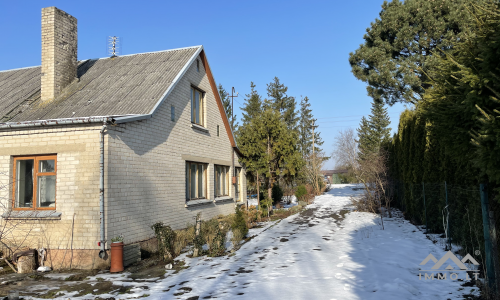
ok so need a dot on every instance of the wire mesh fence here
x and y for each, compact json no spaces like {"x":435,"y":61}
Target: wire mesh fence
{"x":454,"y":212}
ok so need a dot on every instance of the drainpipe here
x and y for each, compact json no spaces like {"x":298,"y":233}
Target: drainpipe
{"x":102,"y":243}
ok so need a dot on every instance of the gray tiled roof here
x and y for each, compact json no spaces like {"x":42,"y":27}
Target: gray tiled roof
{"x":117,"y":86}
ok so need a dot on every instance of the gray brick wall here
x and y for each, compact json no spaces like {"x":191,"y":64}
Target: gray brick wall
{"x":146,"y":178}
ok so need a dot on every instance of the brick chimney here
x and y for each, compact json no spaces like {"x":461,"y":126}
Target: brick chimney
{"x":59,"y":51}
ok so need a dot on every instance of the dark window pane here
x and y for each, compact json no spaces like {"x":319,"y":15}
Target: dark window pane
{"x":24,"y":183}
{"x":47,"y":166}
{"x":46,"y":191}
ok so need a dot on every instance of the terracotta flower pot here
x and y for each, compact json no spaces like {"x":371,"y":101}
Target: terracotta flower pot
{"x":116,"y":257}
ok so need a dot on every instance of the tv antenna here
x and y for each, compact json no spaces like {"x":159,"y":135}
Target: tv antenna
{"x":114,"y":45}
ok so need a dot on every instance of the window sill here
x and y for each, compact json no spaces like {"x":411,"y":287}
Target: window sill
{"x":223,"y":198}
{"x":199,"y":127}
{"x":32,"y":215}
{"x":198,"y":202}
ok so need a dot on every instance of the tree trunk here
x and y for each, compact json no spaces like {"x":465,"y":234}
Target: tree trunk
{"x":269,"y":186}
{"x":26,"y":264}
{"x":258,"y":191}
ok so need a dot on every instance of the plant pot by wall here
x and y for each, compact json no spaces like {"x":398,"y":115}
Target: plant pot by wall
{"x":116,"y":257}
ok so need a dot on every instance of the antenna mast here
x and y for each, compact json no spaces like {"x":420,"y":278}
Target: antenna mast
{"x":114,"y":45}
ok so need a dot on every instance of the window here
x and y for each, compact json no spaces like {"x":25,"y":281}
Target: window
{"x":172,"y":113}
{"x":196,"y":106}
{"x":237,"y":186}
{"x":217,"y":130}
{"x":35,"y":182}
{"x":196,"y":187}
{"x":221,"y":181}
{"x":198,"y":65}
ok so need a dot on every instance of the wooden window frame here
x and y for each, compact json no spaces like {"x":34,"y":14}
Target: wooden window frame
{"x":36,"y":159}
{"x":227,"y":169}
{"x":193,"y":91}
{"x":188,"y":180}
{"x":237,"y":186}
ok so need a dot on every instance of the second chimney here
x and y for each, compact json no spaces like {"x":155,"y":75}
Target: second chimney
{"x":59,"y":51}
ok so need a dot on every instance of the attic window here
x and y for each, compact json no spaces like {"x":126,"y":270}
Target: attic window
{"x":217,"y":130}
{"x":198,"y":65}
{"x":196,"y":106}
{"x":172,"y":113}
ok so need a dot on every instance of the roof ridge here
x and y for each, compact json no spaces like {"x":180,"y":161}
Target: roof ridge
{"x":83,"y":60}
{"x":17,"y":69}
{"x":168,"y":50}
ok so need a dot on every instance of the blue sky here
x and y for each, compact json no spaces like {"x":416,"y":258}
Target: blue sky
{"x":304,"y":43}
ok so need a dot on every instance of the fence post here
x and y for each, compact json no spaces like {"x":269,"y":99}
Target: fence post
{"x":447,"y":217}
{"x":490,"y":271}
{"x":425,"y":208}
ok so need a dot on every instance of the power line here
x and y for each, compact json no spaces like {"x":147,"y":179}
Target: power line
{"x":340,"y":117}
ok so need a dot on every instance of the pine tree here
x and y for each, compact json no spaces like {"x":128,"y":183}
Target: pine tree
{"x":305,"y":130}
{"x":281,"y":102}
{"x":402,"y":40}
{"x":374,"y":131}
{"x":253,"y":105}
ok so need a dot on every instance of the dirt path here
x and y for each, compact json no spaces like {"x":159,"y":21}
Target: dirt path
{"x":325,"y":252}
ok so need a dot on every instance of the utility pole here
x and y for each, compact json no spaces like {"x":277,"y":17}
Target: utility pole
{"x":232,"y":129}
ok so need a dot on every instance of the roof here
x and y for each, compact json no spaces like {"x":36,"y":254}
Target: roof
{"x":125,"y":88}
{"x":124,"y":85}
{"x":331,"y":172}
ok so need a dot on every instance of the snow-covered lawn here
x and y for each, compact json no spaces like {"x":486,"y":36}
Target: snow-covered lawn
{"x":324,"y":252}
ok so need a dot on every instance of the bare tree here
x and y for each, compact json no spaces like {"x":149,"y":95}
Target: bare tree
{"x":312,"y":170}
{"x":371,"y":171}
{"x":14,"y":231}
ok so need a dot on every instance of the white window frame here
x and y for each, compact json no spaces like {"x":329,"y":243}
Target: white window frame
{"x":221,"y":181}
{"x":197,"y":106}
{"x":237,"y":186}
{"x":196,"y":188}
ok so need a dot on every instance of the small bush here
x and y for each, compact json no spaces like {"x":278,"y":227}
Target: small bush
{"x":276,"y":194}
{"x":237,"y":237}
{"x":253,"y":216}
{"x":166,"y":239}
{"x":218,"y":245}
{"x":301,"y":193}
{"x":265,"y":205}
{"x":239,"y":223}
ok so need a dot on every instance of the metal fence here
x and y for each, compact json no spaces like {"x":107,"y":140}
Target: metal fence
{"x":456,"y":214}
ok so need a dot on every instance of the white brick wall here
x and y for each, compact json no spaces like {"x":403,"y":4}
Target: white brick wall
{"x":77,"y":182}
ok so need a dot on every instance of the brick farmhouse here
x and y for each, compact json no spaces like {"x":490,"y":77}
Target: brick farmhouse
{"x":98,"y":148}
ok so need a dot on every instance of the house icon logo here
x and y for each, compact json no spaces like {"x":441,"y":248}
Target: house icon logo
{"x":448,"y":259}
{"x":438,"y":264}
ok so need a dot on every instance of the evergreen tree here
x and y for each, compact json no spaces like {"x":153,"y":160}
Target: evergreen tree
{"x":269,"y":148}
{"x":403,"y":41}
{"x":226,"y":103}
{"x":281,"y":102}
{"x":253,"y":105}
{"x":374,"y":131}
{"x":305,"y":130}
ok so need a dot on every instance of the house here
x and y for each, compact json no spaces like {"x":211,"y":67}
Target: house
{"x":98,"y":148}
{"x":332,"y":177}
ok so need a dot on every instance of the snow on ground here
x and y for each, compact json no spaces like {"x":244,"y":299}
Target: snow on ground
{"x":325,"y":252}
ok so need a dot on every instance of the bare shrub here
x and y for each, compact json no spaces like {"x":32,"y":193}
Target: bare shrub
{"x":237,"y":238}
{"x":15,"y":233}
{"x":371,"y":171}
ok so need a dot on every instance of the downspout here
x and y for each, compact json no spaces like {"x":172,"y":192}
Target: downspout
{"x":102,"y":242}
